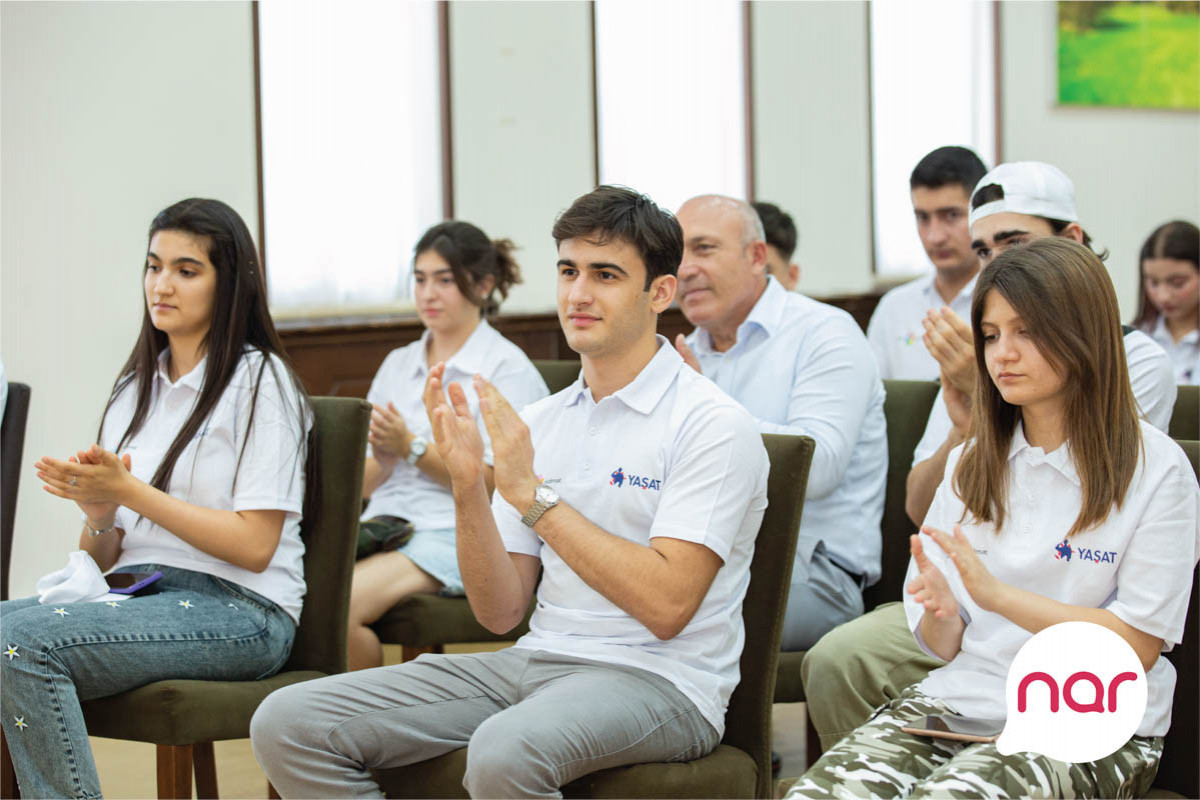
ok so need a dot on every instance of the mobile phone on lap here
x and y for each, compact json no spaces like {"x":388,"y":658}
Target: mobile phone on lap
{"x":962,"y":729}
{"x":132,"y":582}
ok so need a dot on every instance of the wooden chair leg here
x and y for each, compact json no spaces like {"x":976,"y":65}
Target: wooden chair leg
{"x":8,"y":778}
{"x":410,"y":651}
{"x":204,"y":764}
{"x":174,"y":772}
{"x":812,"y":742}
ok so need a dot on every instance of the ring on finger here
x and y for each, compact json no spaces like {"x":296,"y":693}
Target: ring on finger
{"x":74,"y":481}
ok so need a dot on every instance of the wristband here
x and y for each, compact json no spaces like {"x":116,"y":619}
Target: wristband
{"x":98,"y":531}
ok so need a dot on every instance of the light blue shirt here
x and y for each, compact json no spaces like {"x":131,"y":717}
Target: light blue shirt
{"x":804,"y":368}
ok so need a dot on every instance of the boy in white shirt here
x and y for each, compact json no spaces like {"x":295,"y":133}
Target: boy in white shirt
{"x":638,"y":491}
{"x":941,"y":185}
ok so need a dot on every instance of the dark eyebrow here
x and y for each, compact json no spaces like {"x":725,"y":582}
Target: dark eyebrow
{"x":442,"y":271}
{"x":594,"y":266}
{"x":180,"y":260}
{"x":694,"y":240}
{"x":1004,"y":236}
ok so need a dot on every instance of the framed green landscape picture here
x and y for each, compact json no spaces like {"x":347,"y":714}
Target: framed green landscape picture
{"x":1129,"y":54}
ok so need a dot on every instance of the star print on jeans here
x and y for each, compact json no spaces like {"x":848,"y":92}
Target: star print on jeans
{"x":21,"y":723}
{"x":62,"y":612}
{"x":113,"y":604}
{"x":11,"y":652}
{"x":185,"y":603}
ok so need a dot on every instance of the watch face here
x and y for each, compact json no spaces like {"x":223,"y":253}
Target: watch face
{"x":545,"y":494}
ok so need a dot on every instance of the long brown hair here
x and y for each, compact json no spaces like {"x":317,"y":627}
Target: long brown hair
{"x":1066,"y":300}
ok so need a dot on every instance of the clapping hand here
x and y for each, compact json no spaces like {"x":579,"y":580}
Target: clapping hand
{"x":94,"y":478}
{"x":949,"y":340}
{"x":454,"y":429}
{"x":389,"y":436}
{"x":511,"y":446}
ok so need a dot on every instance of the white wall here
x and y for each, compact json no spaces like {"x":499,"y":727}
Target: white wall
{"x":1133,"y":169}
{"x":110,"y":112}
{"x":521,"y":99}
{"x":812,"y":143}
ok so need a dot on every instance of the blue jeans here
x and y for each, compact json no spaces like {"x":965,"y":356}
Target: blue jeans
{"x":196,"y":626}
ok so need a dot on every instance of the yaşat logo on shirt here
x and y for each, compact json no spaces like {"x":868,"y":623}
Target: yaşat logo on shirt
{"x":1075,"y":692}
{"x":1064,"y":551}
{"x":618,"y":478}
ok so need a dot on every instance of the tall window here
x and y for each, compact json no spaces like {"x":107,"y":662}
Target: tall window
{"x":670,"y":97}
{"x":932,"y":84}
{"x":351,"y":148}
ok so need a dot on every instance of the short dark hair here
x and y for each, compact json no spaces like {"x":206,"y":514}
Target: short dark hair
{"x":946,"y":166}
{"x":994,"y":191}
{"x":779,"y":228}
{"x":618,"y":212}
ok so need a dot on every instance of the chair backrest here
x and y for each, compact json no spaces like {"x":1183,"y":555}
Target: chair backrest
{"x":748,"y":719}
{"x":906,"y":410}
{"x":12,"y":446}
{"x":558,"y":375}
{"x":1181,"y":748}
{"x":1185,"y":419}
{"x":331,"y":504}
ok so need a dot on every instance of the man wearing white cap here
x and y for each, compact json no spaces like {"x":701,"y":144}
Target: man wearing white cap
{"x":868,"y":661}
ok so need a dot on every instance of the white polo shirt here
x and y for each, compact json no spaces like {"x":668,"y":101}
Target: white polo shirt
{"x":1150,"y":376}
{"x":669,"y":455}
{"x":270,"y":477}
{"x":804,"y":368}
{"x":1184,"y":354}
{"x":409,"y":492}
{"x":895,"y":329}
{"x":1137,"y":564}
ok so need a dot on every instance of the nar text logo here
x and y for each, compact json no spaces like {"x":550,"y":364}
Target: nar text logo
{"x":1075,"y":692}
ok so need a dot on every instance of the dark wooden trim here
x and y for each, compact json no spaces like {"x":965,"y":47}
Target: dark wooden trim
{"x":258,"y":142}
{"x":595,"y":96}
{"x":870,"y":141}
{"x":748,"y":92}
{"x":443,"y":30}
{"x":340,"y":357}
{"x":997,"y":83}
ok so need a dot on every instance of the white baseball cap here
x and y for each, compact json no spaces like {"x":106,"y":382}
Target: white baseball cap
{"x":1030,"y":187}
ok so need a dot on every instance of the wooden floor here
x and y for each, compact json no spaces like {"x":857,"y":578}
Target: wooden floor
{"x":127,"y":768}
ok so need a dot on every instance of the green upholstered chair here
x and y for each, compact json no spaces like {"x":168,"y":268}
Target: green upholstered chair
{"x":424,"y":623}
{"x":558,"y":375}
{"x":1177,"y":772}
{"x":741,"y":765}
{"x":12,"y":447}
{"x":184,"y":717}
{"x":906,"y":409}
{"x":1185,"y":419}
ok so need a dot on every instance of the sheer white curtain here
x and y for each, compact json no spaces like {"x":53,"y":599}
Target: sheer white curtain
{"x":932,"y":84}
{"x":670,"y":80}
{"x":351,"y":148}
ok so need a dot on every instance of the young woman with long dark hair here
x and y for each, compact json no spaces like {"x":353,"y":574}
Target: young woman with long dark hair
{"x":1169,"y":295}
{"x":1055,"y":459}
{"x":198,"y":472}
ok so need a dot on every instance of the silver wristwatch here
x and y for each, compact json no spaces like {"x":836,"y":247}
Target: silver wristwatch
{"x":416,"y":449}
{"x":544,"y":499}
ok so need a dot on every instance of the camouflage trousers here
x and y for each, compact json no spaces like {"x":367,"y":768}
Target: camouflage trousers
{"x":878,"y":760}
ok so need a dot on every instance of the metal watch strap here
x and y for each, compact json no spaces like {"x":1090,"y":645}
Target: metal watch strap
{"x":543,"y":500}
{"x":416,"y":449}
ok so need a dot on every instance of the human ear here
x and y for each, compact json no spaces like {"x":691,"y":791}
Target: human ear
{"x":662,"y":292}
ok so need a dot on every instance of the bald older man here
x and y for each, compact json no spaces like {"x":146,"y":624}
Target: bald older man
{"x":802,"y":368}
